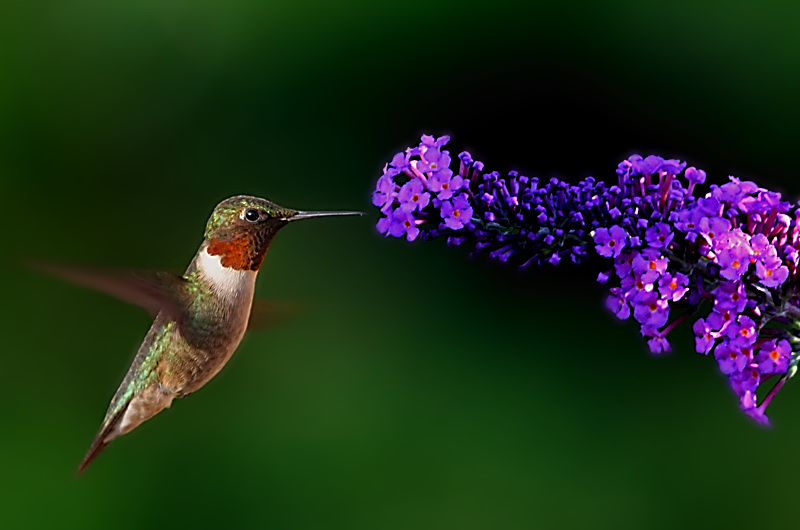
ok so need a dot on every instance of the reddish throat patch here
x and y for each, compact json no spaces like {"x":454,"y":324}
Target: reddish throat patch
{"x":238,"y":254}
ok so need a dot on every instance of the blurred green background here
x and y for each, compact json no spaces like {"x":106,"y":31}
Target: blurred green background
{"x":419,"y":388}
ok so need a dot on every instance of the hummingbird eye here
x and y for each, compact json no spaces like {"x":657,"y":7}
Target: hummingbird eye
{"x":252,"y":215}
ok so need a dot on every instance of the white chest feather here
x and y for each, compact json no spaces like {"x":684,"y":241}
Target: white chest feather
{"x":226,"y":281}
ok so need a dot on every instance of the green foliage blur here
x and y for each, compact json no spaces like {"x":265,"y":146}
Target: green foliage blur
{"x":418,"y":388}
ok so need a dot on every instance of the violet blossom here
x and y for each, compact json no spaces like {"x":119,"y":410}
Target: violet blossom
{"x":725,"y":259}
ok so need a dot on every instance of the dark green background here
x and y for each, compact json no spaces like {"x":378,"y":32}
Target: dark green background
{"x":419,"y":388}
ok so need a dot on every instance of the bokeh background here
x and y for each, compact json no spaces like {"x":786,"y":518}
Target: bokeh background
{"x":419,"y":388}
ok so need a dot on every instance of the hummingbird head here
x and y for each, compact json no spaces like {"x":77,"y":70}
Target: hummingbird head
{"x":241,"y":228}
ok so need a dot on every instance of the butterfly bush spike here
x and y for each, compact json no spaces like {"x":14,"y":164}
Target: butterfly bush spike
{"x":726,"y":260}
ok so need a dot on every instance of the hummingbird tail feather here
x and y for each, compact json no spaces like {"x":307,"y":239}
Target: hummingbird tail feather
{"x":101,"y":440}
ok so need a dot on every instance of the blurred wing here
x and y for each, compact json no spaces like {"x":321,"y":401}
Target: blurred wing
{"x":154,"y":291}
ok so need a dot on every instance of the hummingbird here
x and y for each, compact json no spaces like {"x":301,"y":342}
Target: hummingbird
{"x":199,"y":317}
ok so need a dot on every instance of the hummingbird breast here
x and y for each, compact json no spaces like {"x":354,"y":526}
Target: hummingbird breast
{"x":213,"y":325}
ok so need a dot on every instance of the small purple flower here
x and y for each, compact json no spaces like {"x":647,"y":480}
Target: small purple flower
{"x":659,"y":235}
{"x":734,"y":191}
{"x":688,"y":220}
{"x":734,"y":261}
{"x":705,"y":334}
{"x":623,"y":264}
{"x":430,"y":141}
{"x":747,"y":381}
{"x":730,"y":358}
{"x":673,"y":288}
{"x":413,"y":196}
{"x":610,"y":241}
{"x":635,"y":287}
{"x":772,"y":272}
{"x":383,"y":224}
{"x":695,"y":176}
{"x":445,"y":184}
{"x":650,"y":262}
{"x":672,"y":166}
{"x":651,"y":310}
{"x":649,"y":165}
{"x":774,"y":357}
{"x":742,"y":333}
{"x":616,"y":303}
{"x":730,"y":296}
{"x":397,"y":165}
{"x":760,"y":246}
{"x":456,"y":212}
{"x":403,"y":224}
{"x":385,"y":193}
{"x":711,"y":227}
{"x":658,"y":343}
{"x":432,"y":160}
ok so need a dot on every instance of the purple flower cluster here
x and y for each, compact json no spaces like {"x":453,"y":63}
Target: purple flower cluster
{"x":727,"y":259}
{"x":429,"y":181}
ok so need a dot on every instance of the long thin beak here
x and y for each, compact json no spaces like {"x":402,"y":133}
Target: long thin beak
{"x":309,"y":215}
